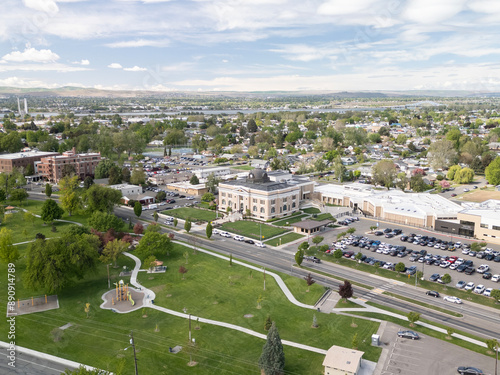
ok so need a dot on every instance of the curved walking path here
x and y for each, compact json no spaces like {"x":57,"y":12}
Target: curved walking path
{"x":148,"y":303}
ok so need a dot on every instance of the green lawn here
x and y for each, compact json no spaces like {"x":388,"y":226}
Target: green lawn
{"x":243,"y":167}
{"x":233,"y":291}
{"x":311,"y":210}
{"x":289,"y":237}
{"x":194,"y":214}
{"x":290,"y":220}
{"x":211,"y":289}
{"x":252,"y":229}
{"x":323,"y":217}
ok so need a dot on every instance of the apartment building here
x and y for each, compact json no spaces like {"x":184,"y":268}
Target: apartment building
{"x":53,"y":167}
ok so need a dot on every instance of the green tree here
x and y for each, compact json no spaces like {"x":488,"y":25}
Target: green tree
{"x":102,"y":221}
{"x":115,"y":175}
{"x":83,"y":371}
{"x":252,"y":126}
{"x":212,"y":183}
{"x":187,"y":225}
{"x":19,"y":195}
{"x":28,"y":217}
{"x":400,"y":267}
{"x":51,"y":211}
{"x":70,"y":200}
{"x":345,"y":290}
{"x":138,"y":209}
{"x":495,"y":294}
{"x":337,"y":254}
{"x":53,"y":264}
{"x":299,"y":257}
{"x":441,"y":154}
{"x":209,"y":230}
{"x":138,"y":177}
{"x":101,"y":198}
{"x":126,"y":174}
{"x":194,"y":180}
{"x":102,"y":169}
{"x":160,"y":196}
{"x":492,"y":172}
{"x":88,"y":182}
{"x":8,"y":252}
{"x":340,"y":169}
{"x":317,"y":240}
{"x":175,"y":222}
{"x":112,"y":251}
{"x":446,"y":279}
{"x":272,"y":359}
{"x":384,"y":173}
{"x":48,"y":190}
{"x":451,"y":172}
{"x":207,"y":197}
{"x":153,"y":243}
{"x":413,"y":317}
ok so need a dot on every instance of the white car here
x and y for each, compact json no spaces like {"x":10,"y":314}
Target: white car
{"x":466,"y":190}
{"x":387,"y":265}
{"x":239,"y":238}
{"x":452,"y":299}
{"x":487,"y":292}
{"x":495,"y":278}
{"x":469,"y":286}
{"x":479,"y":289}
{"x":483,"y":268}
{"x":225,"y":234}
{"x":216,"y":231}
{"x":260,"y":244}
{"x":454,"y":266}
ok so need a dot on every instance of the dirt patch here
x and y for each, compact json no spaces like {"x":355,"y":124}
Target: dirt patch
{"x":480,"y":195}
{"x":157,"y":289}
{"x":248,"y":316}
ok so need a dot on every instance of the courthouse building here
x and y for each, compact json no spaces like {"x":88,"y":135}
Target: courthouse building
{"x":266,"y":195}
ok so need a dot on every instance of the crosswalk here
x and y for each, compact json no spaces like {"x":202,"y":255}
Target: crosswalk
{"x":377,"y":291}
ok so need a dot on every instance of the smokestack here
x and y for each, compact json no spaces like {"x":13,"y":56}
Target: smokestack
{"x":25,"y":106}
{"x":19,"y":107}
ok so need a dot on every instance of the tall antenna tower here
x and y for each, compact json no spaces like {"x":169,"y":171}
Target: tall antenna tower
{"x":19,"y":107}
{"x":25,"y":106}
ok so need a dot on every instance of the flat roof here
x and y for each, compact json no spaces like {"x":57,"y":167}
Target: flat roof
{"x":343,"y":359}
{"x":27,"y":154}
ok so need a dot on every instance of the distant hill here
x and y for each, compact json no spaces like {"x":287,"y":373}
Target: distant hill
{"x":69,"y":91}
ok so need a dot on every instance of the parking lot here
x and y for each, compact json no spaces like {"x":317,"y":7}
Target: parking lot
{"x":363,"y":229}
{"x":428,"y":355}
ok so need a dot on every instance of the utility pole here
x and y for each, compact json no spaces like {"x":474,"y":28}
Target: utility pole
{"x":133,"y":347}
{"x":189,"y":328}
{"x":109,"y":285}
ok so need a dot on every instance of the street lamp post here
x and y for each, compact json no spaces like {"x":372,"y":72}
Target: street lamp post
{"x":264,"y":268}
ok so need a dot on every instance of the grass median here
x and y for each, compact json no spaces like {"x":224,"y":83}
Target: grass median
{"x":253,"y":229}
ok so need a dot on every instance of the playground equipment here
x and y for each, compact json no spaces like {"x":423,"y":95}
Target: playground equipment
{"x":32,"y":301}
{"x":122,"y":293}
{"x":130,"y":299}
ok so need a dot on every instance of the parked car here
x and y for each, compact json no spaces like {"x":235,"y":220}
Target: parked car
{"x":466,"y":370}
{"x":479,"y":289}
{"x":432,"y":293}
{"x":313,"y":259}
{"x":469,"y":270}
{"x":239,"y":238}
{"x":452,"y":299}
{"x":460,"y":284}
{"x":483,"y":268}
{"x":495,"y":278}
{"x":408,"y":335}
{"x":487,"y":275}
{"x":487,"y":292}
{"x":251,"y":242}
{"x":470,"y":285}
{"x":434,"y":277}
{"x":260,"y":244}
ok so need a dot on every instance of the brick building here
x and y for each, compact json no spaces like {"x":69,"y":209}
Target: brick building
{"x":22,"y":159}
{"x":51,"y":167}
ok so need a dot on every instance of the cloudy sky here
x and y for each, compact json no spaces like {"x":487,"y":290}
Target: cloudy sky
{"x":251,"y":45}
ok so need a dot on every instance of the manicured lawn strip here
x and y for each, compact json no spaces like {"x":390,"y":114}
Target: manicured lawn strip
{"x":298,"y":287}
{"x":233,"y":291}
{"x":252,"y":229}
{"x":285,"y":218}
{"x":429,"y":306}
{"x":311,"y":210}
{"x":342,"y":304}
{"x":368,"y":287}
{"x":194,"y":214}
{"x":243,"y":167}
{"x":291,"y":220}
{"x":100,"y":339}
{"x":289,"y":237}
{"x":430,"y":332}
{"x":323,"y":217}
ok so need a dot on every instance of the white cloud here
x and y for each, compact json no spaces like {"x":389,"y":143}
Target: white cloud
{"x":138,"y":43}
{"x":135,"y":69}
{"x":46,"y":6}
{"x":115,"y":66}
{"x":85,"y":62}
{"x":342,"y":7}
{"x":31,"y":54}
{"x":25,"y":82}
{"x":56,"y":67}
{"x":432,"y":11}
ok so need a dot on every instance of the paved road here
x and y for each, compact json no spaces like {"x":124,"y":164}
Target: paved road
{"x":29,"y":365}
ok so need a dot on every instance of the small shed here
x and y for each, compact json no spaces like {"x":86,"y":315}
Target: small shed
{"x":342,"y":361}
{"x":309,"y":226}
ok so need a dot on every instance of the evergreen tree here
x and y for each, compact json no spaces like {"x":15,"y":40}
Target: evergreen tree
{"x":48,"y":190}
{"x":209,"y":230}
{"x":272,"y":359}
{"x":194,"y":180}
{"x":187,"y":225}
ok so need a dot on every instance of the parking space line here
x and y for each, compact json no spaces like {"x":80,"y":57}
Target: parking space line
{"x":406,"y":371}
